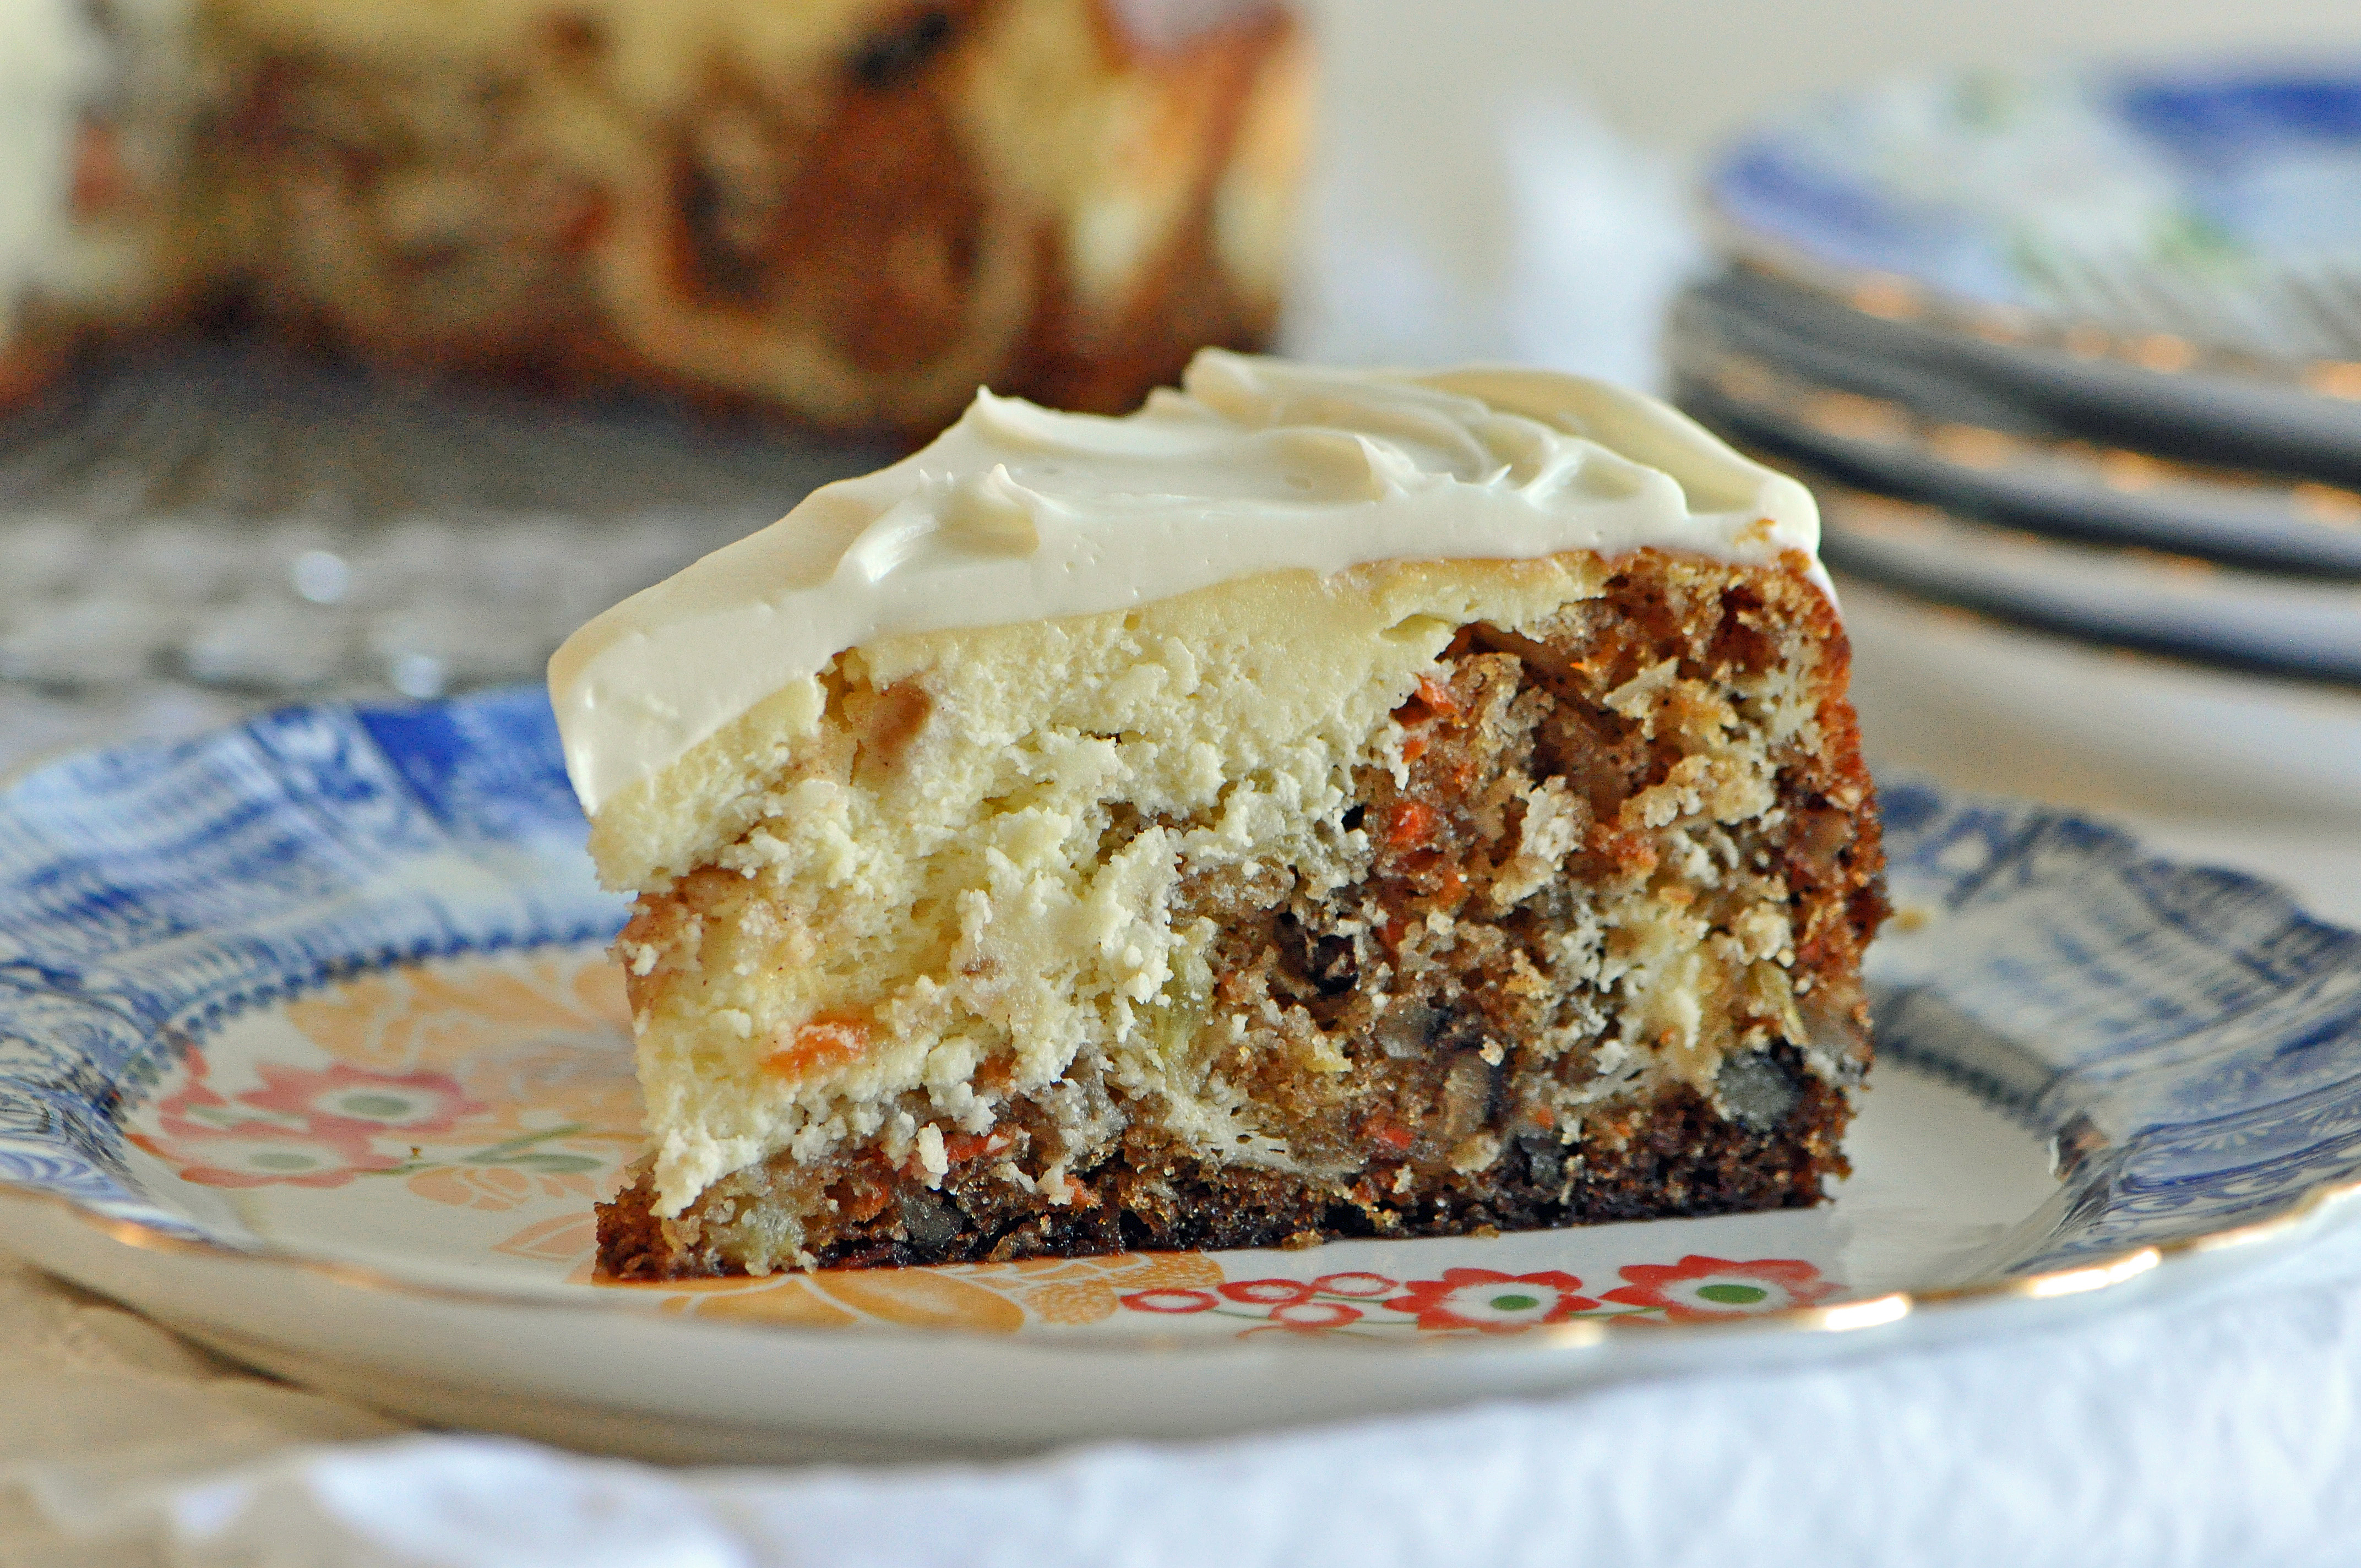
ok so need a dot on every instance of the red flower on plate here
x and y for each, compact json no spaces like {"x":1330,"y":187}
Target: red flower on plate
{"x":1698,"y":1289}
{"x":1495,"y":1302}
{"x":342,"y":1104}
{"x":1311,"y":1317}
{"x":196,"y":1111}
{"x":1267,"y":1292}
{"x":1172,"y":1301}
{"x":351,"y":1100}
{"x":302,"y":1128}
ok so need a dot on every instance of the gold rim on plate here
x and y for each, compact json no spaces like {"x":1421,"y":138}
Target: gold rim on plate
{"x":1866,"y":1312}
{"x":1892,"y":297}
{"x":1756,"y":383}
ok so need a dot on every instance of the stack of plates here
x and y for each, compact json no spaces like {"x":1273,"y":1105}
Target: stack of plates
{"x":2080,"y":350}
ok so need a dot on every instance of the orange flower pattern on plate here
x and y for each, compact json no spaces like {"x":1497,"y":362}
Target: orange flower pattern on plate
{"x":978,"y":1297}
{"x":487,"y":1087}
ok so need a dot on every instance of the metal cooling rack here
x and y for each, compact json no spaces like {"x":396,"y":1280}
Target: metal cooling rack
{"x":204,"y":528}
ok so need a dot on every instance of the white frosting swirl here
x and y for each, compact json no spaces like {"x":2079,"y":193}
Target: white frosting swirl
{"x":1018,"y":514}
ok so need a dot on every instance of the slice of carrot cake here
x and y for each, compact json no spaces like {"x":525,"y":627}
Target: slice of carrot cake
{"x":1321,"y":803}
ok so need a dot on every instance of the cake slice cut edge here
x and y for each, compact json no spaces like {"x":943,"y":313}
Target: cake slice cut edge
{"x":1418,"y":898}
{"x":1578,"y":941}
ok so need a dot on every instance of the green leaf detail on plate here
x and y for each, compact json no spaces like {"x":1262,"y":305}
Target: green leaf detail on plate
{"x":553,"y":1163}
{"x":380,"y":1107}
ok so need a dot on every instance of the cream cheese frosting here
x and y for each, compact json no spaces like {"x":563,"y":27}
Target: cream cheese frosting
{"x":1017,"y":513}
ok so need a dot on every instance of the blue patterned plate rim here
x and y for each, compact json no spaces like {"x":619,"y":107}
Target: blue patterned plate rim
{"x":2185,"y":217}
{"x":2188,"y":1038}
{"x":1922,"y":439}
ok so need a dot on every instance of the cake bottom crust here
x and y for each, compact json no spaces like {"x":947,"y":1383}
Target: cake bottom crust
{"x":1672,"y":1158}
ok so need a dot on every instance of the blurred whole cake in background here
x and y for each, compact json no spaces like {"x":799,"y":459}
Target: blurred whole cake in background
{"x":853,"y":211}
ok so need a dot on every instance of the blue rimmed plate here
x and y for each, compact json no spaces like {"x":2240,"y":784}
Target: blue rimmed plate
{"x":2219,"y":202}
{"x":2164,"y":255}
{"x":2187,"y":608}
{"x":1893,"y":428}
{"x":307,"y":1047}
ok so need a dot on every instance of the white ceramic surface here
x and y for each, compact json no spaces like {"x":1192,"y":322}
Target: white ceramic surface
{"x":1992,"y":707}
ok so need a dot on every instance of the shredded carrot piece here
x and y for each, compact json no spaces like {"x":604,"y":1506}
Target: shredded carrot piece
{"x":1414,"y":823}
{"x":829,"y":1040}
{"x":1436,"y":696}
{"x":100,"y":177}
{"x":961,"y":1147}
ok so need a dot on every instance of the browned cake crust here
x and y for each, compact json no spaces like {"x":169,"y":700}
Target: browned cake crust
{"x":1675,"y":1157}
{"x":1445,"y":1120}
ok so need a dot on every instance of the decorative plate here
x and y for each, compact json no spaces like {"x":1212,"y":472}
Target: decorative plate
{"x":2204,"y":410}
{"x":308,"y":1049}
{"x":1995,"y":705}
{"x":1918,"y":439}
{"x":2219,"y":203}
{"x":1930,"y":486}
{"x":2167,"y":258}
{"x":2172,"y":605}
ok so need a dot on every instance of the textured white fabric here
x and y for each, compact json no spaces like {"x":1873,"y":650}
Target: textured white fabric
{"x":2205,"y":1435}
{"x":92,"y":1391}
